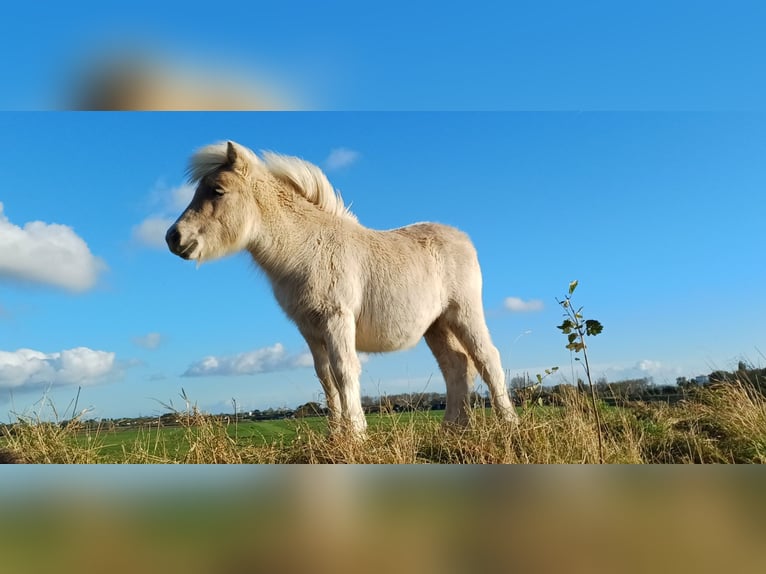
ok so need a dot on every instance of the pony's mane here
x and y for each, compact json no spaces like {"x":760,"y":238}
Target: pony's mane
{"x":305,"y":177}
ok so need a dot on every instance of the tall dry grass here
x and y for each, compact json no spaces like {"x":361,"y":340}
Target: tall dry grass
{"x":721,"y":424}
{"x":33,"y":438}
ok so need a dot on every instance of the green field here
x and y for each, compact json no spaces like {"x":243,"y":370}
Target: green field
{"x":725,"y":423}
{"x":174,"y":442}
{"x":155,"y":443}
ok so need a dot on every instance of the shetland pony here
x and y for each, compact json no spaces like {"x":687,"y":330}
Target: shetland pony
{"x":346,"y":287}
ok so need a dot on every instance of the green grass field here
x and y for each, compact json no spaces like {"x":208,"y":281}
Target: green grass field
{"x":174,"y":443}
{"x":718,"y":425}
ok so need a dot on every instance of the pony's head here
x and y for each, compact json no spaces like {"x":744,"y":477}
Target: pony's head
{"x":222,"y":215}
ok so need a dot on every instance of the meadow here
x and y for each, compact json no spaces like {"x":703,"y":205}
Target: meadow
{"x":723,"y":423}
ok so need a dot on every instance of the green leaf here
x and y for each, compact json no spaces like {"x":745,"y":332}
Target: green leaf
{"x":593,"y":327}
{"x":572,"y":337}
{"x":539,"y":378}
{"x":572,"y":286}
{"x":566,"y":326}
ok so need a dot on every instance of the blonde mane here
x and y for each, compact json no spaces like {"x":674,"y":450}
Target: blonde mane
{"x":306,"y":178}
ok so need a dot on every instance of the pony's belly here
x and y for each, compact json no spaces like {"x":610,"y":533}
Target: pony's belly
{"x":384,"y":345}
{"x":392,"y":321}
{"x":387,"y":338}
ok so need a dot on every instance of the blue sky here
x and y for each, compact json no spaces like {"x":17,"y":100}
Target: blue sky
{"x":658,"y":215}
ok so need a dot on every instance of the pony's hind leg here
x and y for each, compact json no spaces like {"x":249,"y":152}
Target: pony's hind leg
{"x":471,"y":330}
{"x":456,"y":367}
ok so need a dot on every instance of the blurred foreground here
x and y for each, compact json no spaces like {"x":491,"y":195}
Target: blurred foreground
{"x":385,"y":519}
{"x":138,"y":79}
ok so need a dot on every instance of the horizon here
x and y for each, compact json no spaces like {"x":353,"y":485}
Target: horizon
{"x":653,"y":213}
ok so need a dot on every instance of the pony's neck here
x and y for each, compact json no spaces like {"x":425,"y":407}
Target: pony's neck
{"x":288,"y":229}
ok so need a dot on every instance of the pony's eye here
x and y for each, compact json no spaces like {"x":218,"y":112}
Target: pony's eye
{"x":218,"y":191}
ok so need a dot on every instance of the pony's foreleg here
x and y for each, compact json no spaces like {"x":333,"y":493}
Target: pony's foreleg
{"x":346,"y":368}
{"x":456,"y":367}
{"x":331,"y":394}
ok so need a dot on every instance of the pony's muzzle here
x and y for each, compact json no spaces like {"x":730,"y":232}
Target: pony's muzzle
{"x":173,"y":239}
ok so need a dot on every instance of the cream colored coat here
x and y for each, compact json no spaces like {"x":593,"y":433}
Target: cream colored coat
{"x":347,"y":288}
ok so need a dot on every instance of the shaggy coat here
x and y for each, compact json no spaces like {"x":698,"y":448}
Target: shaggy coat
{"x":346,"y":287}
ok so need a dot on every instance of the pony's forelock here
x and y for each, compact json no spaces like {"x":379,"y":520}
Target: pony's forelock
{"x":211,"y":157}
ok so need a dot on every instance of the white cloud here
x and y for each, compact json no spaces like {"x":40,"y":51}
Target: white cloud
{"x":171,"y":201}
{"x":180,"y":197}
{"x":151,"y":232}
{"x":265,"y":360}
{"x":649,"y":366}
{"x":341,"y":157}
{"x":30,"y":368}
{"x":518,"y":305}
{"x":47,"y":253}
{"x":148,"y":341}
{"x":657,"y":371}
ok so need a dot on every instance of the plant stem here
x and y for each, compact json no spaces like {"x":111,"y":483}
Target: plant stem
{"x":592,"y":396}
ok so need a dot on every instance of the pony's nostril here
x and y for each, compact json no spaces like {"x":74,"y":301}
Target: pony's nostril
{"x":173,"y":238}
{"x":174,"y":241}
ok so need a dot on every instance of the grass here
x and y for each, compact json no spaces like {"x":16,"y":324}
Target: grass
{"x":721,"y":424}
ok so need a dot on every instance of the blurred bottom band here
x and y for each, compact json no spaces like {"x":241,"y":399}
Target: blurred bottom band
{"x":381,"y":519}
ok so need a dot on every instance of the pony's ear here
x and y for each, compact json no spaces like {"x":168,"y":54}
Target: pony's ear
{"x":231,"y":152}
{"x":239,"y":158}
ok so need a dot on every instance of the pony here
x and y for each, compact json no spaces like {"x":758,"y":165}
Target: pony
{"x":346,"y":287}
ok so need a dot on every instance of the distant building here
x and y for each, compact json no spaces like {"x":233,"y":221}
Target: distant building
{"x":701,"y":380}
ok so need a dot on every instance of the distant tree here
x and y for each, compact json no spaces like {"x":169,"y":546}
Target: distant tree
{"x":386,"y":404}
{"x":743,"y":366}
{"x":686,"y":384}
{"x":520,"y":381}
{"x":310,"y":409}
{"x":438,"y":401}
{"x":719,"y":376}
